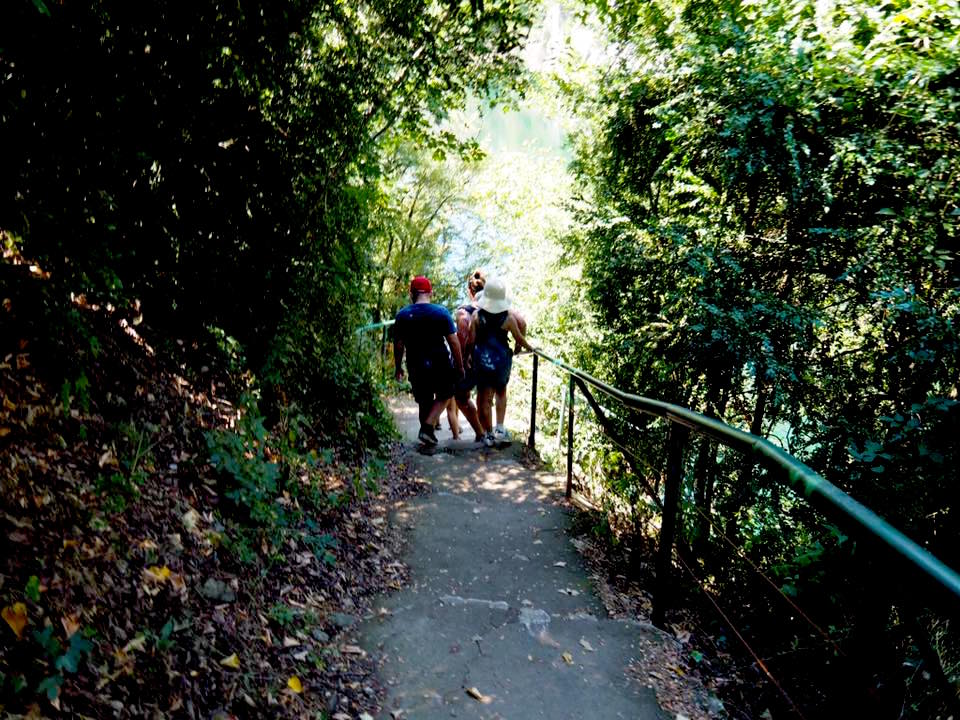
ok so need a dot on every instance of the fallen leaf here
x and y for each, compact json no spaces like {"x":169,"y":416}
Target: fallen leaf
{"x":352,"y":650}
{"x":231,"y":661}
{"x":560,"y":563}
{"x":16,"y":617}
{"x":4,"y":431}
{"x":365,"y":716}
{"x":190,"y":519}
{"x":294,"y":684}
{"x":138,"y":643}
{"x":479,"y":696}
{"x":567,"y":658}
{"x":70,"y":624}
{"x":290,"y":642}
{"x":159,"y":573}
{"x":586,"y":645}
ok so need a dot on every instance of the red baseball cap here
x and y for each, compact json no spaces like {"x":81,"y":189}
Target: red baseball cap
{"x":420,"y":284}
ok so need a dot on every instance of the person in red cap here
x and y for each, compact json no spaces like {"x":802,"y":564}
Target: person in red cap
{"x":426,"y":333}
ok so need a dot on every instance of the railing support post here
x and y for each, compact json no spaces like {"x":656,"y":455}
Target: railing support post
{"x":676,"y":439}
{"x":569,"y":492}
{"x":531,"y":441}
{"x":383,"y":354}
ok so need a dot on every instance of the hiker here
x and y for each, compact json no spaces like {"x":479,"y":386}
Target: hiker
{"x":490,"y":328}
{"x":463,"y":316}
{"x":426,"y":333}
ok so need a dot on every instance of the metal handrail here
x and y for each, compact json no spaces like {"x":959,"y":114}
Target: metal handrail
{"x":821,"y":493}
{"x":849,"y":514}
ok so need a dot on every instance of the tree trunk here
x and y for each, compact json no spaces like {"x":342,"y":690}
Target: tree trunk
{"x":743,"y":489}
{"x":705,"y":468}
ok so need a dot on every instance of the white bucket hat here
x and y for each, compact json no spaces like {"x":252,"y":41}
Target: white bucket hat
{"x":494,"y":298}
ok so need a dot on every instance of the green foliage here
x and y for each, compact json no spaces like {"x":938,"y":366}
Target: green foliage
{"x":32,"y":589}
{"x":766,"y":222}
{"x":220,"y":167}
{"x":134,"y":448}
{"x":241,"y":454}
{"x":64,"y":661}
{"x":282,"y":614}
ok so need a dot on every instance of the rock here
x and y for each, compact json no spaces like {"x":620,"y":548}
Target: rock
{"x":342,"y":620}
{"x":218,"y":590}
{"x":190,"y":519}
{"x":320,"y":636}
{"x":715,"y":705}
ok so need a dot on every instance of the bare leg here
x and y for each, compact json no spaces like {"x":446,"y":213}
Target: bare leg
{"x":501,"y":396}
{"x":452,"y":418}
{"x":469,"y":411}
{"x":485,"y":408}
{"x":435,"y":410}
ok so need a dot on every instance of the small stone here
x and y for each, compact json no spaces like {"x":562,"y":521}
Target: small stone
{"x":320,"y":636}
{"x":214,"y":589}
{"x":342,"y":620}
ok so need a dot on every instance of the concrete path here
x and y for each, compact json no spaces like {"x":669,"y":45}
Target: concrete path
{"x":499,"y":619}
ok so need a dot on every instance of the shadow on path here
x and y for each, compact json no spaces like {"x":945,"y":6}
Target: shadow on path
{"x":499,"y":619}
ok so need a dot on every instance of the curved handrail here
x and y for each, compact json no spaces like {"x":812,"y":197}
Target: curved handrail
{"x":821,"y":493}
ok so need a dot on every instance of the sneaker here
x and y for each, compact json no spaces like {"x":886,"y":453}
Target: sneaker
{"x":488,"y":440}
{"x":427,"y":435}
{"x":501,"y":435}
{"x":479,"y":437}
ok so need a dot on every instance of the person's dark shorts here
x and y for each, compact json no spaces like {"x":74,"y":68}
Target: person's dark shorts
{"x":468,"y":382}
{"x":432,"y":383}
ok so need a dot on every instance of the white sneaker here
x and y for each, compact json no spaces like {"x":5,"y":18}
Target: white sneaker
{"x":488,"y":440}
{"x":501,"y":435}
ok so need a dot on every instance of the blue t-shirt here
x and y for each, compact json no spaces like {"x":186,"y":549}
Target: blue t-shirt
{"x":423,"y":329}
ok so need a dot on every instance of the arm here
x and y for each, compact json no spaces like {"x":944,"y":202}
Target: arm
{"x":454,"y":344}
{"x":521,"y":325}
{"x":514,"y":327}
{"x":465,"y":334}
{"x":398,"y":358}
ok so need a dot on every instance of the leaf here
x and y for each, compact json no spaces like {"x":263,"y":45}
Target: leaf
{"x":567,"y":658}
{"x":32,"y":590}
{"x":139,"y":643}
{"x":294,"y":684}
{"x":16,"y":617}
{"x":51,"y":686}
{"x":70,"y":624}
{"x":231,"y":661}
{"x":159,"y":573}
{"x":585,"y":644}
{"x":560,"y":564}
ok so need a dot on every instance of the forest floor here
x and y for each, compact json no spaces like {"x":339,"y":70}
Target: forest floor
{"x":127,"y":586}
